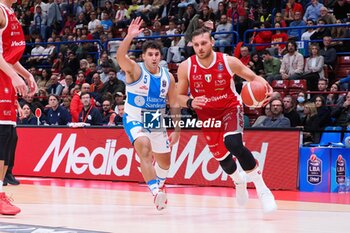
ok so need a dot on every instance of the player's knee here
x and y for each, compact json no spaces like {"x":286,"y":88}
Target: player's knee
{"x":228,"y":165}
{"x":234,"y":144}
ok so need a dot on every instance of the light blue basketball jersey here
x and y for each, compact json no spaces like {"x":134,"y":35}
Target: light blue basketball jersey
{"x":148,"y":93}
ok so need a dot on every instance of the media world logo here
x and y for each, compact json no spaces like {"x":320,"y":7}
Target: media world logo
{"x":155,"y":120}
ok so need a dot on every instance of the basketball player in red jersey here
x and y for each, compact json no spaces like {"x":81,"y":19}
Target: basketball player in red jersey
{"x":209,"y":76}
{"x":12,"y":45}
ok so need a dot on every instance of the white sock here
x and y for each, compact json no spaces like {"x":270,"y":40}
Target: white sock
{"x":237,"y":177}
{"x":161,"y":175}
{"x":1,"y":184}
{"x":153,"y":186}
{"x":256,"y":177}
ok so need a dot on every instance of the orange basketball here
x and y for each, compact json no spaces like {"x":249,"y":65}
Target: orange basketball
{"x":253,"y":94}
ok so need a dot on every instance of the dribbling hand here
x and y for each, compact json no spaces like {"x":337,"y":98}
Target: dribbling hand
{"x":199,"y":102}
{"x":134,"y":28}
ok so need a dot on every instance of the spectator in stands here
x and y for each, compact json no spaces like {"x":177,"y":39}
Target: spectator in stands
{"x":106,"y":22}
{"x":48,"y":53}
{"x":292,"y":66}
{"x":313,"y":70}
{"x":34,"y":72}
{"x":279,"y":37}
{"x":132,"y":9}
{"x":214,"y":5}
{"x":55,"y":87}
{"x":56,"y":114}
{"x":290,"y":111}
{"x":301,"y":99}
{"x":93,"y":70}
{"x":322,"y":86}
{"x":262,"y":37}
{"x":341,"y":112}
{"x":313,"y":11}
{"x":76,"y":105}
{"x":122,"y":17}
{"x":272,"y":65}
{"x":118,"y":99}
{"x":292,"y":8}
{"x":311,"y":124}
{"x":44,"y":79}
{"x":245,"y":55}
{"x":94,"y":22}
{"x":328,"y":18}
{"x":320,"y":32}
{"x":85,"y":67}
{"x":108,"y":8}
{"x":279,"y":19}
{"x":39,"y":23}
{"x":88,"y":10}
{"x":36,"y":53}
{"x":108,"y":115}
{"x":27,"y":117}
{"x":68,"y":83}
{"x":256,"y":64}
{"x":306,"y":35}
{"x":296,"y":22}
{"x":89,"y":114}
{"x":58,"y":63}
{"x":329,"y":53}
{"x":338,"y":32}
{"x":333,"y":98}
{"x":80,"y":79}
{"x":222,"y":41}
{"x":234,"y":11}
{"x":176,"y":50}
{"x":44,"y":6}
{"x":32,"y":103}
{"x":72,"y":63}
{"x":258,"y":122}
{"x":323,"y":111}
{"x":42,"y":97}
{"x":277,"y":119}
{"x":81,"y":21}
{"x":113,"y":84}
{"x":205,"y":14}
{"x":118,"y":120}
{"x":222,"y":10}
{"x":54,"y":17}
{"x":97,"y":85}
{"x":66,"y":103}
{"x":340,"y":9}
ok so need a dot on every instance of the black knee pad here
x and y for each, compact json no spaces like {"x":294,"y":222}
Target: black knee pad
{"x":228,"y":165}
{"x":234,"y":144}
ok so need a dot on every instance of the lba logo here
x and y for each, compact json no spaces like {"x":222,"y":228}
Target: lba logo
{"x":151,"y":120}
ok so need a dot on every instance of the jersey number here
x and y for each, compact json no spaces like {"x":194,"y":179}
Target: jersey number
{"x":195,"y":68}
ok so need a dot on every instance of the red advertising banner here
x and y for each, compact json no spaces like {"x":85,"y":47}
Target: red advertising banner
{"x":106,"y":154}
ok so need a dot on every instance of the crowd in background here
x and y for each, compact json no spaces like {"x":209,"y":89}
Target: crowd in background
{"x":81,"y":76}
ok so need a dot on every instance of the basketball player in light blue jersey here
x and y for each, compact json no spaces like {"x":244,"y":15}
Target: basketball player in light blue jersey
{"x":148,"y":87}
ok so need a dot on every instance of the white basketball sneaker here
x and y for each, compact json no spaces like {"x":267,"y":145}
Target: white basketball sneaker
{"x":160,"y":200}
{"x":242,"y":194}
{"x":267,"y":201}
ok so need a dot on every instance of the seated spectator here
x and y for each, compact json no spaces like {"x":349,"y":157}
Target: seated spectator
{"x":320,"y":32}
{"x":66,"y":103}
{"x":311,"y":124}
{"x":306,"y":35}
{"x":80,"y":79}
{"x":55,"y":86}
{"x":113,"y":85}
{"x":330,"y":55}
{"x":44,"y":79}
{"x":256,"y":64}
{"x":279,"y":19}
{"x":296,"y":22}
{"x":301,"y":99}
{"x":108,"y":115}
{"x":277,"y":119}
{"x":81,"y":22}
{"x":97,"y":84}
{"x":94,"y":23}
{"x":340,"y":9}
{"x":36,"y":53}
{"x":245,"y":55}
{"x":56,"y":114}
{"x":323,"y":111}
{"x":68,"y":83}
{"x":292,"y":66}
{"x":222,"y":10}
{"x":121,"y":17}
{"x":42,"y":97}
{"x":272,"y":65}
{"x":262,"y":37}
{"x":328,"y":18}
{"x":174,"y":54}
{"x":89,"y":114}
{"x":279,"y":37}
{"x":292,"y":9}
{"x":27,"y":117}
{"x":342,"y":112}
{"x":313,"y":70}
{"x":258,"y":122}
{"x":39,"y":24}
{"x":118,"y":120}
{"x":338,"y":33}
{"x":106,"y":22}
{"x":290,"y":111}
{"x":333,"y":98}
{"x":313,"y":11}
{"x":76,"y":105}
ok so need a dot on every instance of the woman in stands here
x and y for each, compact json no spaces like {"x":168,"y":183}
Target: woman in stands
{"x":311,"y":124}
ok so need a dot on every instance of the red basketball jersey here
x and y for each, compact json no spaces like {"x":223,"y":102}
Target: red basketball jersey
{"x":215,"y":83}
{"x":12,"y":45}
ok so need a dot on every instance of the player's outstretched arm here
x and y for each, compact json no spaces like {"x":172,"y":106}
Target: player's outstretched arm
{"x":33,"y":87}
{"x":127,"y":64}
{"x":174,"y":110}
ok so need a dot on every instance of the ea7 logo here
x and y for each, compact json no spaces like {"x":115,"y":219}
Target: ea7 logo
{"x":198,"y":84}
{"x":220,"y":82}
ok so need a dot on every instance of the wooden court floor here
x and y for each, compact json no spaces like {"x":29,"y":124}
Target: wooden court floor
{"x":54,"y":205}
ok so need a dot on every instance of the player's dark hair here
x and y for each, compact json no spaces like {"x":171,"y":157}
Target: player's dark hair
{"x":200,"y":31}
{"x":151,"y":44}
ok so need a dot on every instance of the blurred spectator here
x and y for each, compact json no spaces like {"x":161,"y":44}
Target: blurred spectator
{"x":332,"y":98}
{"x":106,"y":22}
{"x":320,"y":32}
{"x":290,"y":111}
{"x":97,"y":84}
{"x":205,"y":14}
{"x":76,"y":105}
{"x":338,"y":33}
{"x":272,"y":65}
{"x":84,"y":66}
{"x":56,"y":114}
{"x":69,"y":23}
{"x":93,"y":70}
{"x":323,"y":111}
{"x":328,"y":18}
{"x":113,"y":84}
{"x":292,"y":8}
{"x":118,"y":120}
{"x":48,"y":53}
{"x":311,"y":124}
{"x":296,"y":22}
{"x":329,"y":53}
{"x":262,"y":37}
{"x":175,"y":51}
{"x":44,"y":6}
{"x":341,"y":112}
{"x":72,"y":63}
{"x":39,"y":24}
{"x":245,"y":55}
{"x":108,"y":9}
{"x":313,"y":70}
{"x":222,"y":41}
{"x":58,"y":63}
{"x":94,"y":22}
{"x":292,"y":64}
{"x":89,"y":10}
{"x":234,"y":11}
{"x":306,"y":35}
{"x":132,"y":9}
{"x":81,"y":22}
{"x":167,"y":12}
{"x":222,"y":10}
{"x":256,"y":64}
{"x":279,"y":37}
{"x":36,"y":53}
{"x":44,"y":79}
{"x":66,"y":102}
{"x":258,"y":122}
{"x":214,"y":5}
{"x":54,"y":17}
{"x":340,"y":9}
{"x":276,"y":119}
{"x":279,"y":19}
{"x":27,"y":117}
{"x":313,"y":11}
{"x":68,"y":83}
{"x":89,"y":114}
{"x":80,"y":78}
{"x":55,"y":87}
{"x":301,"y":99}
{"x":42,"y":97}
{"x":108,"y":115}
{"x":122,"y":18}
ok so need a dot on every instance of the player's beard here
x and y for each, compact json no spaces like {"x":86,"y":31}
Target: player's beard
{"x":204,"y":55}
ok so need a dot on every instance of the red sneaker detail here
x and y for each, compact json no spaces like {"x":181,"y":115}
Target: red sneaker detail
{"x":6,"y":207}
